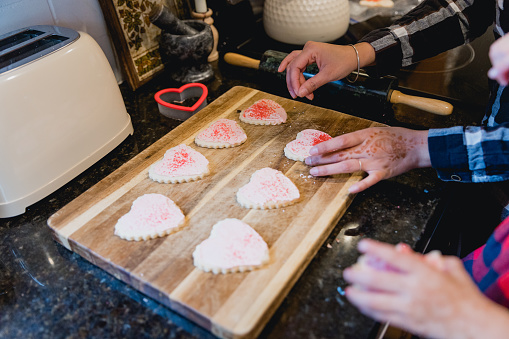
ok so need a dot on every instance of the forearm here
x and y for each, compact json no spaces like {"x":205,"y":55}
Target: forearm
{"x":432,"y":27}
{"x":367,"y":56}
{"x":421,"y":153}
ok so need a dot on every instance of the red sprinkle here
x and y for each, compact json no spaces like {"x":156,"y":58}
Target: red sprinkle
{"x":320,"y":138}
{"x":263,"y":109}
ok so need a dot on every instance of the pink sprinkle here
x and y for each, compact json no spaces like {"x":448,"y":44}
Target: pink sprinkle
{"x":265,"y":109}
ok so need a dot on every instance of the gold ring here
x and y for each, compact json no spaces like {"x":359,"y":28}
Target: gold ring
{"x":360,"y":165}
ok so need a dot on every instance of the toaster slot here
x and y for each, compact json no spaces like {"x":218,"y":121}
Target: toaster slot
{"x":19,"y":38}
{"x":29,"y":50}
{"x":31,"y":43}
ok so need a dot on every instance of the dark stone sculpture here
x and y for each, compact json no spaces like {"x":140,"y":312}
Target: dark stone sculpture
{"x":185,"y":44}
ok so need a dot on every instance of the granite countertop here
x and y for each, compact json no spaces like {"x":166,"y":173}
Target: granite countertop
{"x":47,"y":291}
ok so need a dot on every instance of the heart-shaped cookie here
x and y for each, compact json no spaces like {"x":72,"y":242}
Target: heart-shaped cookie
{"x":168,"y":99}
{"x":264,"y":112}
{"x":298,"y":149}
{"x":222,"y":133}
{"x":152,"y":215}
{"x":179,"y":164}
{"x":233,"y":246}
{"x":268,"y":188}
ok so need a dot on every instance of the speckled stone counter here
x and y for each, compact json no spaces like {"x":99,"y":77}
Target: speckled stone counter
{"x":47,"y":291}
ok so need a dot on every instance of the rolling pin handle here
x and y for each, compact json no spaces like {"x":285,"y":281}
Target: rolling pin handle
{"x":241,"y":60}
{"x":426,"y":104}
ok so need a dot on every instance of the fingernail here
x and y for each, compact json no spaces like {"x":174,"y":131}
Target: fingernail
{"x":313,"y":151}
{"x":352,"y":189}
{"x":492,"y":73}
{"x":313,"y":171}
{"x":362,"y":245}
{"x":303,"y":92}
{"x":292,"y":93}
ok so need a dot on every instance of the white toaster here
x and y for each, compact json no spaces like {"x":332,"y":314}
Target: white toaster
{"x":61,"y":110}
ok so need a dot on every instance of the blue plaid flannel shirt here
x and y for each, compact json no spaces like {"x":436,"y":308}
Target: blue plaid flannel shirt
{"x":467,"y":154}
{"x":470,"y":154}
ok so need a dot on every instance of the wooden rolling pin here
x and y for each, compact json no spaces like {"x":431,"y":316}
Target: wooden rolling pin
{"x":384,"y":89}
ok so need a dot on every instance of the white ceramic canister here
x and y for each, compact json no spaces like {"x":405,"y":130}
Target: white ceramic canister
{"x":298,"y":21}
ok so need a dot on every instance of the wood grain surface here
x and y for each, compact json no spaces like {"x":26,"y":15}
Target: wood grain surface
{"x":234,"y":305}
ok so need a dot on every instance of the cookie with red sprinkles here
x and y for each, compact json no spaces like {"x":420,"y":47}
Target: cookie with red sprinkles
{"x":233,"y":246}
{"x":264,"y":112}
{"x":151,"y":216}
{"x":298,"y":149}
{"x":268,"y":188}
{"x":222,"y":133}
{"x":179,"y":164}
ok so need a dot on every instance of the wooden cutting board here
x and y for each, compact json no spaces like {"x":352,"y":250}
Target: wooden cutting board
{"x":233,"y":305}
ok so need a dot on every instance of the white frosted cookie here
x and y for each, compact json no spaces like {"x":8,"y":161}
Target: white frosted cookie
{"x":233,"y":246}
{"x":268,"y":188}
{"x":151,"y":216}
{"x":222,"y":133}
{"x":179,"y":164}
{"x":264,"y":112}
{"x":377,"y":3}
{"x":298,"y":149}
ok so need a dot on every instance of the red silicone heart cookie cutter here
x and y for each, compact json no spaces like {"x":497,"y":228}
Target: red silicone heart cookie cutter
{"x":165,"y":98}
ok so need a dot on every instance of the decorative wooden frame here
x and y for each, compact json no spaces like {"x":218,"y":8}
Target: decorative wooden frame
{"x":135,"y":38}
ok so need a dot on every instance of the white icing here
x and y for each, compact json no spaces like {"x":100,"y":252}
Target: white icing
{"x":265,"y":110}
{"x":151,"y":215}
{"x":181,"y":160}
{"x":232,"y":244}
{"x":298,"y":149}
{"x":223,"y":131}
{"x":268,"y":185}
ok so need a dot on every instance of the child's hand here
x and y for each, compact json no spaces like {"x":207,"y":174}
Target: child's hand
{"x":499,"y":56}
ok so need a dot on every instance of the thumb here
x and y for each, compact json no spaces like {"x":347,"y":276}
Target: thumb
{"x":312,"y":84}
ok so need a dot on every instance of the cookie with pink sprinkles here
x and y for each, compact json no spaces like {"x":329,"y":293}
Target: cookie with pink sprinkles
{"x":179,"y":164}
{"x":264,"y":112}
{"x":222,"y":133}
{"x":233,"y":246}
{"x":151,"y":216}
{"x":298,"y":149}
{"x":268,"y":188}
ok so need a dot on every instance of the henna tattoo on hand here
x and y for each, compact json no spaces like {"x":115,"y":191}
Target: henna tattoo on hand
{"x":394,"y":146}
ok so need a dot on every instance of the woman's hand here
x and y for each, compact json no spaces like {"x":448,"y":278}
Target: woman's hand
{"x":382,"y":152}
{"x":432,"y":298}
{"x":334,"y":62}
